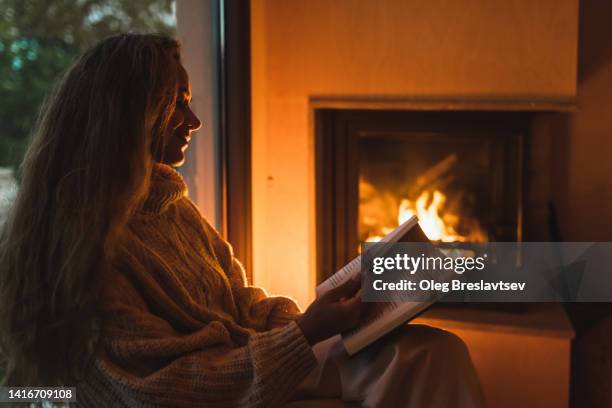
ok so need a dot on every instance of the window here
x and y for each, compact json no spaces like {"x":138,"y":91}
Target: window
{"x":38,"y":40}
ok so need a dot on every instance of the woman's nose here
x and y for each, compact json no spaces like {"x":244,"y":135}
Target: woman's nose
{"x":194,"y":123}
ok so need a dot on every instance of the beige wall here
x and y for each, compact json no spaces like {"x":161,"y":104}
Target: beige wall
{"x":574,"y":150}
{"x":585,"y":204}
{"x":585,"y":156}
{"x":438,"y":50}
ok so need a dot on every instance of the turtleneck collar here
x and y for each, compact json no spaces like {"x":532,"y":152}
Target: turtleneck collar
{"x":167,"y":186}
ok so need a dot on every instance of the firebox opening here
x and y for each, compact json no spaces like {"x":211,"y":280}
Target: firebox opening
{"x":461,"y":173}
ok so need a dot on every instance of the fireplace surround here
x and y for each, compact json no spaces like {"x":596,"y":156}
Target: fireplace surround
{"x":309,"y":55}
{"x":413,"y":56}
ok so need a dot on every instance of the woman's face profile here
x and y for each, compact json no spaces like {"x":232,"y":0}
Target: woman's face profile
{"x":182,"y":123}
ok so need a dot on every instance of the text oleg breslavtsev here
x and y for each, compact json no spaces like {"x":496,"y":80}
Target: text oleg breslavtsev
{"x":453,"y":285}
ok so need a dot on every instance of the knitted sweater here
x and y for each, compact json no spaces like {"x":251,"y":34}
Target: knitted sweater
{"x":180,"y":326}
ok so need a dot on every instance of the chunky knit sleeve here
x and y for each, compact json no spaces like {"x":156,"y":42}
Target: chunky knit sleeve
{"x":256,"y":309}
{"x":145,"y":360}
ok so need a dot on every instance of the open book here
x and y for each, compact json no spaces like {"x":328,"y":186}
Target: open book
{"x":379,"y":318}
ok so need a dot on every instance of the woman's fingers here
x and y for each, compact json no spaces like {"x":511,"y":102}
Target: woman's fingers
{"x":351,"y":309}
{"x":336,"y":311}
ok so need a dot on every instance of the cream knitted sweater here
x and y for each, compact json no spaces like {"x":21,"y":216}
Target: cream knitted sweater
{"x":180,"y":326}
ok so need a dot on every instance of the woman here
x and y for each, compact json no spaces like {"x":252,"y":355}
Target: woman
{"x":111,"y":280}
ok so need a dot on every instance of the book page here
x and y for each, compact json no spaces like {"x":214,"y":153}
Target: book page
{"x":353,"y":268}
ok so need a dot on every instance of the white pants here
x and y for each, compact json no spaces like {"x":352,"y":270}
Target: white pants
{"x":416,"y":366}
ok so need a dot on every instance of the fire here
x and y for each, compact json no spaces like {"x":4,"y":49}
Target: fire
{"x":427,"y":208}
{"x":436,"y":218}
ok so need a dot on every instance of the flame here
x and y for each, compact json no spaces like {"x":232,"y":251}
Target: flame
{"x":427,"y":208}
{"x":437,"y":223}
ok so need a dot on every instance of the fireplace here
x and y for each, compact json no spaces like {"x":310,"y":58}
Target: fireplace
{"x":461,"y":173}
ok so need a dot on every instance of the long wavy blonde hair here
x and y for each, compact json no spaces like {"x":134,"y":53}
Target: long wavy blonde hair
{"x":85,"y":172}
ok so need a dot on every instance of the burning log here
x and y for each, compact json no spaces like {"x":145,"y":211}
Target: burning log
{"x":436,"y":177}
{"x":441,"y":210}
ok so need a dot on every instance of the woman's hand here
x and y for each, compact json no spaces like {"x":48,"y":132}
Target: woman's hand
{"x":334,"y":312}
